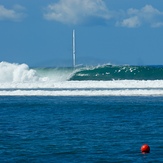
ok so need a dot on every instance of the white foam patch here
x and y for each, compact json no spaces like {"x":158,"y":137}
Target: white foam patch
{"x":118,"y":84}
{"x":84,"y":88}
{"x":138,"y":92}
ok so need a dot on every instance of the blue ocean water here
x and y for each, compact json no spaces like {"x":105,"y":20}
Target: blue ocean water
{"x":90,"y":114}
{"x":80,"y":128}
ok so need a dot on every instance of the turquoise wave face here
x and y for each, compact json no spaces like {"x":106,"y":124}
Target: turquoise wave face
{"x":110,"y":72}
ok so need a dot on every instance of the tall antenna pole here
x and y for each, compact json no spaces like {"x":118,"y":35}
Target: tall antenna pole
{"x":73,"y":51}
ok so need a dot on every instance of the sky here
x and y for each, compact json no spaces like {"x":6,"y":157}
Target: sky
{"x":39,"y":33}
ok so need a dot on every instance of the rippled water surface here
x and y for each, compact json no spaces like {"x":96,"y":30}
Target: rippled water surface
{"x":80,"y":129}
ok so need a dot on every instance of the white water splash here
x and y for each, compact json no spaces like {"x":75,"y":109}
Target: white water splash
{"x":16,"y":73}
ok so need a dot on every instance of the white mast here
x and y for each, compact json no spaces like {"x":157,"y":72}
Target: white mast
{"x":73,"y":46}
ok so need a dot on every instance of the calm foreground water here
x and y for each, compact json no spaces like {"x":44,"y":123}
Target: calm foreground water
{"x":80,"y":129}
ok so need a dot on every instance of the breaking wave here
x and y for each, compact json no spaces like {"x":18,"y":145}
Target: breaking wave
{"x":12,"y":72}
{"x":19,"y":73}
{"x":106,"y":80}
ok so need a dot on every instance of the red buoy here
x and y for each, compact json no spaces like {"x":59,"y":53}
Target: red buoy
{"x":145,"y":148}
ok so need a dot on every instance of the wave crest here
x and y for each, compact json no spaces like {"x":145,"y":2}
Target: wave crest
{"x":124,"y":72}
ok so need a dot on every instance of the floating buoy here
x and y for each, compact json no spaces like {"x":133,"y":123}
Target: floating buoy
{"x":145,"y":148}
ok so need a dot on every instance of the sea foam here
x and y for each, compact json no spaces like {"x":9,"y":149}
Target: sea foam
{"x":12,"y":72}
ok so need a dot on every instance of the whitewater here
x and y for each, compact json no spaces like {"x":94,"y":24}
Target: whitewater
{"x":105,"y":80}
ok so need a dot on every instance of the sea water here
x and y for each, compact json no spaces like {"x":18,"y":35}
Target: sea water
{"x":88,"y":114}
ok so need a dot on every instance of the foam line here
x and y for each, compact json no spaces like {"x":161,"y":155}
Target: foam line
{"x":139,"y":92}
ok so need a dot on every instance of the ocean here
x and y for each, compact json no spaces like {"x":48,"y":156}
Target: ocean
{"x":88,"y":114}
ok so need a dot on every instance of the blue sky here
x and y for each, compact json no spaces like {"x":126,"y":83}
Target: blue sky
{"x":39,"y":33}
